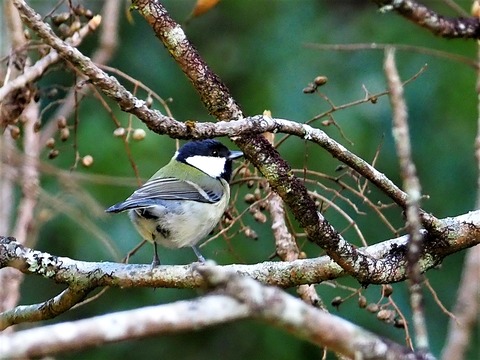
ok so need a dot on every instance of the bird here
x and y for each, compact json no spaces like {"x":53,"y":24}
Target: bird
{"x":184,"y":200}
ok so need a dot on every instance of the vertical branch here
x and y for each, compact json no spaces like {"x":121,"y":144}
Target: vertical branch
{"x":10,"y":279}
{"x":7,"y":175}
{"x":476,"y":13}
{"x":29,"y":177}
{"x":468,"y":297}
{"x":285,"y":244}
{"x":466,"y":308}
{"x":412,"y":188}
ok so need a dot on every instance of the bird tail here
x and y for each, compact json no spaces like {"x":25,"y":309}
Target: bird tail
{"x":116,"y":208}
{"x":130,"y":204}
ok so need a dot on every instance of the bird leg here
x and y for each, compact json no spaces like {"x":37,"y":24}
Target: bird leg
{"x":156,"y":259}
{"x":199,"y":256}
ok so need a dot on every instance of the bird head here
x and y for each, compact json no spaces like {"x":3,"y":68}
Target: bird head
{"x":209,"y":156}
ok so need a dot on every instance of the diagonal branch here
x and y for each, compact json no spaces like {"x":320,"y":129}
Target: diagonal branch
{"x":162,"y":124}
{"x":319,"y":327}
{"x":107,"y":46}
{"x":256,"y":148}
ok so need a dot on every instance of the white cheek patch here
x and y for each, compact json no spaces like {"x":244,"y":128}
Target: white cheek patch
{"x":212,"y":166}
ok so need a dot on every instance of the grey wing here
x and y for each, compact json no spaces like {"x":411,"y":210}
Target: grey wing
{"x":156,"y":190}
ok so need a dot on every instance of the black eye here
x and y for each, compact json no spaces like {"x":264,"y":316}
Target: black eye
{"x":214,"y":153}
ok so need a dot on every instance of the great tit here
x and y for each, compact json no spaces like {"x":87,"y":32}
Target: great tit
{"x":183,"y":201}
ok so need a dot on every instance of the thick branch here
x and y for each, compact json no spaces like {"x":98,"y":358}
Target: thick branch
{"x":429,"y":19}
{"x":276,"y":307}
{"x":237,"y":297}
{"x":133,"y":324}
{"x":213,"y":92}
{"x":453,"y":235}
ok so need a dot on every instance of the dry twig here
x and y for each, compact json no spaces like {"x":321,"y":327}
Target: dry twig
{"x":412,"y":188}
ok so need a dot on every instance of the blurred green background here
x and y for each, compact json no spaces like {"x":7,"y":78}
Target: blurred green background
{"x":259,"y":49}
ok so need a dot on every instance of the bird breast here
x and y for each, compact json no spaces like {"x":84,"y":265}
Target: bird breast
{"x":177,"y":224}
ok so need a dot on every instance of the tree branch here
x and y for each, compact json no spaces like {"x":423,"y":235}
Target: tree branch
{"x":256,"y":148}
{"x":429,"y":19}
{"x":43,"y":311}
{"x":34,"y":72}
{"x":461,"y":327}
{"x":133,"y":324}
{"x":286,"y":246}
{"x":412,"y":187}
{"x":454,"y":234}
{"x":107,"y":46}
{"x":237,"y":297}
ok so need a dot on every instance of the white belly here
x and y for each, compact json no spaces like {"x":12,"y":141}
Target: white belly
{"x":185,"y":224}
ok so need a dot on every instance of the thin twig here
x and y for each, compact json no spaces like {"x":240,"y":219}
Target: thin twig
{"x":438,"y":301}
{"x":466,"y":310}
{"x":412,"y":188}
{"x":107,"y":46}
{"x":401,"y":47}
{"x":34,"y":72}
